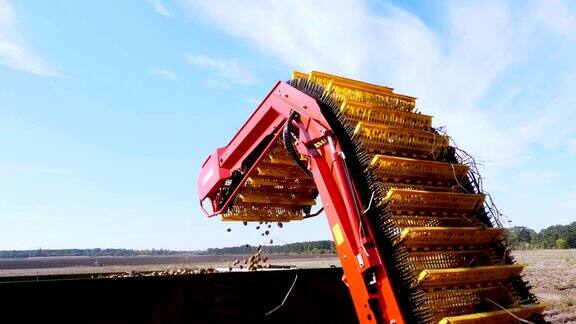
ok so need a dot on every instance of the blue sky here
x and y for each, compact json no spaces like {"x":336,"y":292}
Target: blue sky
{"x":108,"y":109}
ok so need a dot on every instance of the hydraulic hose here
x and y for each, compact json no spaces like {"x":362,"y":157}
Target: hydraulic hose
{"x":289,"y":145}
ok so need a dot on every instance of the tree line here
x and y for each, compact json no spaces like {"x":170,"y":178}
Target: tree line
{"x":315,"y":247}
{"x":553,"y":237}
{"x":312,"y":247}
{"x":82,"y":252}
{"x":519,"y":237}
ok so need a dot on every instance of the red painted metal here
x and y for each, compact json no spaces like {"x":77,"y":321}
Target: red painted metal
{"x":364,"y":269}
{"x":227,"y":203}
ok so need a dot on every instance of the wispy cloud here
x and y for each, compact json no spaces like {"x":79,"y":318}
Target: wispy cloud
{"x":160,"y":8}
{"x":556,"y":16}
{"x":164,"y":73}
{"x":461,"y":70}
{"x":14,"y":51}
{"x":499,"y":75}
{"x":227,"y":70}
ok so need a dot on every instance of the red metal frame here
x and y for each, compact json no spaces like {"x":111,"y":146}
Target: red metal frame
{"x":364,"y":270}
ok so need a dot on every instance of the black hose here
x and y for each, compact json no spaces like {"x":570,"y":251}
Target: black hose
{"x":287,"y":137}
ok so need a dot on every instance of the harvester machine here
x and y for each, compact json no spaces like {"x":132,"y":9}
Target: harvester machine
{"x":416,"y":239}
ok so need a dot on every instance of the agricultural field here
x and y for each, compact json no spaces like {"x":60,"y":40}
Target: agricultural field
{"x":87,"y":265}
{"x":552,"y":273}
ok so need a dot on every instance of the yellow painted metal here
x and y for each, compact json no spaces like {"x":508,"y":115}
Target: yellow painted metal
{"x":363,"y":112}
{"x":386,"y":166}
{"x":400,"y":141}
{"x":263,"y":213}
{"x":280,"y":158}
{"x":437,"y":225}
{"x":467,"y":277}
{"x":278,"y":190}
{"x":299,"y":75}
{"x":403,"y":221}
{"x":359,"y":93}
{"x":337,"y":233}
{"x":454,"y":302}
{"x":431,"y":237}
{"x":286,"y":183}
{"x":416,"y":200}
{"x":280,"y":171}
{"x":325,"y":79}
{"x":266,"y":195}
{"x":507,"y":316}
{"x":411,"y":186}
{"x":445,"y":259}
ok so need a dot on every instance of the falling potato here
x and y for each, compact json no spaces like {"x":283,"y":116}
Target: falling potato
{"x":280,"y":224}
{"x":271,"y":241}
{"x":229,"y":229}
{"x":245,"y":223}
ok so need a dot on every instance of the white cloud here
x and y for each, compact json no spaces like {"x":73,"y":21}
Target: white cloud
{"x":160,"y":8}
{"x":556,"y":16}
{"x":458,"y":68}
{"x":228,"y":70}
{"x":164,"y":73}
{"x":14,"y":51}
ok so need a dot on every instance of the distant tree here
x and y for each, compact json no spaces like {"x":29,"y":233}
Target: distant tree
{"x":314,"y":247}
{"x":561,"y":244}
{"x":520,"y":237}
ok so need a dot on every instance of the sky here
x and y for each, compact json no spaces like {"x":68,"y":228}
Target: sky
{"x":109,"y":108}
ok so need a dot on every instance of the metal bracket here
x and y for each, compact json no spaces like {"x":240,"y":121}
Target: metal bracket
{"x":360,"y":260}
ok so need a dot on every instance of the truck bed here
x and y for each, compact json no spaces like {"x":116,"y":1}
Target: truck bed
{"x":318,"y":296}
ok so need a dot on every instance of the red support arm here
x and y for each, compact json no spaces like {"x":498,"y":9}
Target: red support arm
{"x":364,"y":270}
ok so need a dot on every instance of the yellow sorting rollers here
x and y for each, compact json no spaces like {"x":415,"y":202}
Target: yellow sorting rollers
{"x":455,"y":253}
